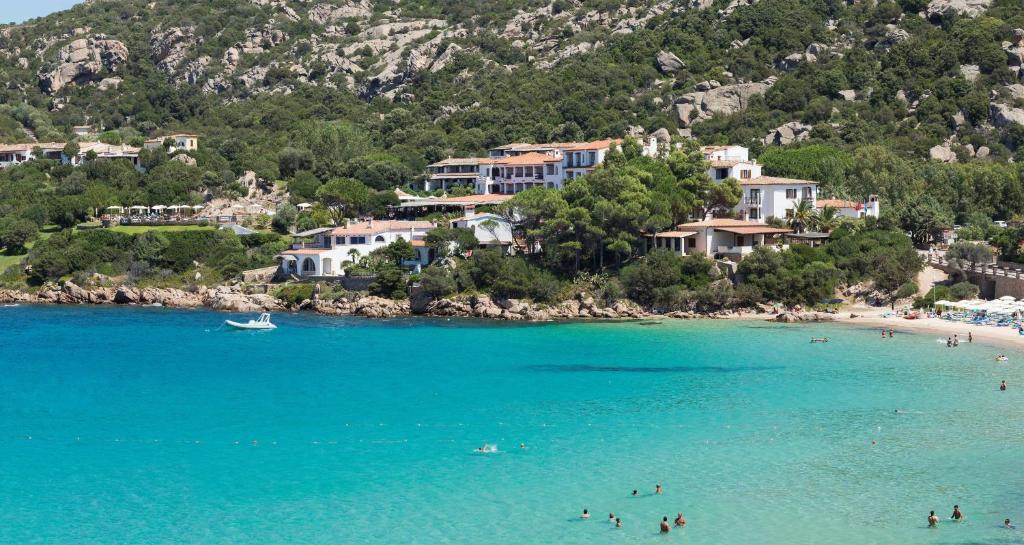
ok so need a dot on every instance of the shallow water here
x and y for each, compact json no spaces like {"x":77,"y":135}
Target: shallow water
{"x":127,"y":426}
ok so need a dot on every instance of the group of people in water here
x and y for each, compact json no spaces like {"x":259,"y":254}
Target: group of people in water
{"x":664,"y":527}
{"x":958,"y":516}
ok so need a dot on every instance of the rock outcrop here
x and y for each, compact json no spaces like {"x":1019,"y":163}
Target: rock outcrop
{"x":169,"y":47}
{"x":794,"y":131}
{"x":939,"y":9}
{"x":727,"y":99}
{"x":669,"y":63}
{"x":84,"y":60}
{"x":1002,"y":114}
{"x":942,"y":153}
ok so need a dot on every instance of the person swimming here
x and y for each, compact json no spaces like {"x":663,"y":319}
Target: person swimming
{"x":585,"y":515}
{"x":890,"y":332}
{"x":1002,"y":386}
{"x":611,"y":517}
{"x":635,"y":493}
{"x":680,"y":521}
{"x":957,"y":515}
{"x":933,"y":520}
{"x":819,"y":340}
{"x":657,"y":488}
{"x":949,"y":342}
{"x":956,"y":341}
{"x":664,"y":525}
{"x":618,"y":522}
{"x":1007,"y":525}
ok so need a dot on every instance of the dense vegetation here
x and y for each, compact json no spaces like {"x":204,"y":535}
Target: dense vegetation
{"x":327,"y":141}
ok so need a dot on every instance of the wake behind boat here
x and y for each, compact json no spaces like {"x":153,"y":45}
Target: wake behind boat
{"x":263,"y":322}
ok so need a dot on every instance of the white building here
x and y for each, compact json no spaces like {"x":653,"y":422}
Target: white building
{"x":14,"y":154}
{"x":716,"y":238}
{"x":332,"y":248}
{"x":181,"y":141}
{"x":852,"y":209}
{"x":491,"y":230}
{"x":513,"y":168}
{"x":763,"y":196}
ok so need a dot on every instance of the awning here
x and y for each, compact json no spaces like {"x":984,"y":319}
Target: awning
{"x":753,"y":230}
{"x":676,"y":234}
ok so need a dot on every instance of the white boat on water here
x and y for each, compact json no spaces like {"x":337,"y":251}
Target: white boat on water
{"x":263,"y":322}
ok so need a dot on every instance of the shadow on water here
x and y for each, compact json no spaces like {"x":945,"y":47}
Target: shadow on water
{"x":583,"y":368}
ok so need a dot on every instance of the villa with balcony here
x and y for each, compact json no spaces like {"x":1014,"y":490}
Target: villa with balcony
{"x":719,"y":238}
{"x":331,"y":248}
{"x":513,"y":168}
{"x":852,"y":209}
{"x":179,"y":142}
{"x":763,"y":196}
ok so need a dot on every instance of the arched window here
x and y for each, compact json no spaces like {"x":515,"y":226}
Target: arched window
{"x":380,"y":238}
{"x":308,"y":265}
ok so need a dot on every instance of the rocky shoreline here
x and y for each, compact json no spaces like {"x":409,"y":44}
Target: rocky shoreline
{"x":236,"y":299}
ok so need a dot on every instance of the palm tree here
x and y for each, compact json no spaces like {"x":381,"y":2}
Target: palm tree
{"x":802,"y":216}
{"x":354,"y":254}
{"x":826,"y":220}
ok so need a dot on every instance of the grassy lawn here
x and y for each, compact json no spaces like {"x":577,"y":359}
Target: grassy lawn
{"x":136,"y":229}
{"x":8,"y":260}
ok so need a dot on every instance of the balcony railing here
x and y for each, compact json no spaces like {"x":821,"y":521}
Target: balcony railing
{"x":753,"y":201}
{"x":301,"y":245}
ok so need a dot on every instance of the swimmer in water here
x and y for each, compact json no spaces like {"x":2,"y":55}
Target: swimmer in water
{"x":957,"y":515}
{"x":635,"y":493}
{"x":585,"y":515}
{"x":1007,"y":525}
{"x":933,"y":520}
{"x":680,"y":521}
{"x":949,"y":342}
{"x":664,"y":525}
{"x":522,"y":445}
{"x":1002,"y":386}
{"x":970,"y":337}
{"x":611,"y":517}
{"x":956,"y":341}
{"x":657,"y":488}
{"x":618,"y":522}
{"x":890,"y":332}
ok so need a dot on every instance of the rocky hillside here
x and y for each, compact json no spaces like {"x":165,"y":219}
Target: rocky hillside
{"x":929,"y":78}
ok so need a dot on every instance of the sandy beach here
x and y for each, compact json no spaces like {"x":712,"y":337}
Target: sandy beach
{"x":941,"y":329}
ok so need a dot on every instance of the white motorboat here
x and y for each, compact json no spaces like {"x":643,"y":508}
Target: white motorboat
{"x":263,"y":322}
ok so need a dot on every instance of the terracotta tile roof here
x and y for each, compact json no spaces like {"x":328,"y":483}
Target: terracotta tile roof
{"x":28,"y":146}
{"x":838,"y":203}
{"x":595,"y":145}
{"x":462,"y":161}
{"x":726,"y":164}
{"x":717,"y":222}
{"x":382,"y":226}
{"x":306,"y":251}
{"x":532,"y":158}
{"x":773,"y":180}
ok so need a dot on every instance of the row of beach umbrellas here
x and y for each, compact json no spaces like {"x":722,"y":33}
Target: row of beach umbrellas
{"x":1004,"y":305}
{"x":155,"y":208}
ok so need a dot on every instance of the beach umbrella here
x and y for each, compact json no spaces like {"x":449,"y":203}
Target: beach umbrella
{"x":303,"y":205}
{"x":159,"y":207}
{"x":117,"y":208}
{"x":197,"y":207}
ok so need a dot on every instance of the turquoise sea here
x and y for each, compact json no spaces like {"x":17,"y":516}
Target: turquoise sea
{"x":157,"y":426}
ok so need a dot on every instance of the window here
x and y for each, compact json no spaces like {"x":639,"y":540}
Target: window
{"x":755,"y":213}
{"x":551,"y":169}
{"x":591,"y":157}
{"x":677,"y":244}
{"x":519,"y":172}
{"x":745,"y":174}
{"x":691,"y":242}
{"x":339,"y":241}
{"x":807,"y":193}
{"x":755,"y":196}
{"x":308,"y":265}
{"x":739,"y":240}
{"x":721,"y":173}
{"x":357,"y":240}
{"x":791,"y":193}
